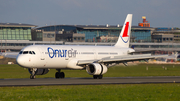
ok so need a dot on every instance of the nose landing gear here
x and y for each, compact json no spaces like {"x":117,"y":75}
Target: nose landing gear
{"x":32,"y":76}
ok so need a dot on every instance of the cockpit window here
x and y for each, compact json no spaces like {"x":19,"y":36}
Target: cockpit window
{"x":33,"y":52}
{"x":30,"y":52}
{"x":25,"y":52}
{"x":20,"y":52}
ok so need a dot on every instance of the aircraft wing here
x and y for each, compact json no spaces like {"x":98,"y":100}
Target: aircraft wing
{"x":119,"y":59}
{"x":10,"y":54}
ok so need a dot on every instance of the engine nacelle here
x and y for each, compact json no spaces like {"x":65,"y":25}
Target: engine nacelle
{"x":96,"y":69}
{"x":39,"y":71}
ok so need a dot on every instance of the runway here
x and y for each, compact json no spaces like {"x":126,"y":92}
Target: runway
{"x":88,"y":81}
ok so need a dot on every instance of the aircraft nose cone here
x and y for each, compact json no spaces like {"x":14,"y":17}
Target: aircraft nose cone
{"x":20,"y":61}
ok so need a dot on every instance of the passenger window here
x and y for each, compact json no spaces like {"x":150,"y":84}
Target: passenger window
{"x":30,"y":52}
{"x":25,"y":52}
{"x":20,"y":52}
{"x":33,"y":52}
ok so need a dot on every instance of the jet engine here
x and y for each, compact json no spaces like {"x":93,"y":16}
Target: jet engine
{"x":39,"y":71}
{"x":96,"y":69}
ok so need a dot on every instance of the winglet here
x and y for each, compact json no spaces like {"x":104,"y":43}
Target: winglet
{"x":124,"y":37}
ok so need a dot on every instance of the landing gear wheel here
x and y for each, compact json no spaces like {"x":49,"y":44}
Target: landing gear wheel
{"x":100,"y":76}
{"x":59,"y":75}
{"x":33,"y":72}
{"x":62,"y":75}
{"x":97,"y":76}
{"x":32,"y":77}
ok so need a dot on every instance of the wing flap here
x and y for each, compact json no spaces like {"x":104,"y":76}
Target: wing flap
{"x":133,"y":58}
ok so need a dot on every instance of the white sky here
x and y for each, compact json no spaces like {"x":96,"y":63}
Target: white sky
{"x":159,"y":13}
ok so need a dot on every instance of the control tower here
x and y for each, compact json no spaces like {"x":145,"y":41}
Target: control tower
{"x":145,"y":23}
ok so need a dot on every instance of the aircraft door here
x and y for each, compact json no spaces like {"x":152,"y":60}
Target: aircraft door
{"x":42,"y":53}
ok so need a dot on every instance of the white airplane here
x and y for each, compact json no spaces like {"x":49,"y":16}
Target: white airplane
{"x":95,"y":59}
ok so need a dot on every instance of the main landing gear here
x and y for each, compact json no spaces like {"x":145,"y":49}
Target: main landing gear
{"x":59,"y":74}
{"x":97,"y":76}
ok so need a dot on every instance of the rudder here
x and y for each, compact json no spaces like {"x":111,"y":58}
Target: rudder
{"x":124,"y":37}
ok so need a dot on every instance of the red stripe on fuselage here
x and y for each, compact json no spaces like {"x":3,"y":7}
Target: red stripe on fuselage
{"x":125,"y":33}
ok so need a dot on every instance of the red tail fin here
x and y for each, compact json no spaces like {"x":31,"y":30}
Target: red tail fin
{"x":125,"y":33}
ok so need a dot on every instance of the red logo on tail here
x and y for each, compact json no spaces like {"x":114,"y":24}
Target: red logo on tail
{"x":125,"y":33}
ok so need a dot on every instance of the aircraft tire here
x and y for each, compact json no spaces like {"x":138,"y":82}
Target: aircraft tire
{"x":62,"y":75}
{"x":100,"y":76}
{"x":32,"y":76}
{"x":57,"y":75}
{"x":95,"y":76}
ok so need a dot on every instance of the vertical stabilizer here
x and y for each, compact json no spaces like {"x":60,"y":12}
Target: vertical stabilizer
{"x":124,"y":37}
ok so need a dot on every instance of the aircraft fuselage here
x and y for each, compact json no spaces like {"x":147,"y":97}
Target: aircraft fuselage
{"x":60,"y":56}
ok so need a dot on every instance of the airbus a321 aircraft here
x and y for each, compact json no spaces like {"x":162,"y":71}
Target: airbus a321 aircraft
{"x":95,"y":59}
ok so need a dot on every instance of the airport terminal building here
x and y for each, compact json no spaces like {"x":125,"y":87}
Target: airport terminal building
{"x":89,"y":33}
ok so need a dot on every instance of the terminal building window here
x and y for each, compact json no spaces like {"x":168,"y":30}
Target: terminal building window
{"x":98,"y":35}
{"x":15,"y":33}
{"x":141,"y":35}
{"x":112,"y":35}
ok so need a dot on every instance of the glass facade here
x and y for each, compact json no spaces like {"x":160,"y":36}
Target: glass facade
{"x":97,"y":35}
{"x":94,"y":35}
{"x":141,"y":35}
{"x":58,"y":28}
{"x":101,"y":33}
{"x":15,"y":33}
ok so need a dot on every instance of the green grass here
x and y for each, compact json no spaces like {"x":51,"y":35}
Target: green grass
{"x":15,"y":71}
{"x":128,"y":92}
{"x":122,"y":92}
